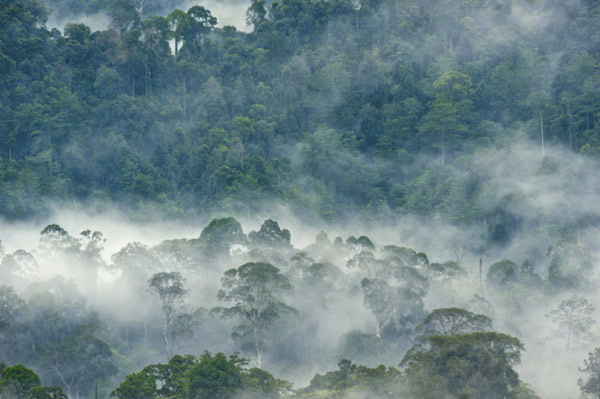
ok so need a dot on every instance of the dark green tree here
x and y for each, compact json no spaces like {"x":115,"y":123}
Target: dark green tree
{"x":592,"y":367}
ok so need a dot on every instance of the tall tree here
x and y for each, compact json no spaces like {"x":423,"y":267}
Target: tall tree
{"x":169,"y":286}
{"x":572,"y":318}
{"x":254,"y":292}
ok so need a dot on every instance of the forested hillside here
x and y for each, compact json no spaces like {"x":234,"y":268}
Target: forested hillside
{"x":330,"y":107}
{"x":432,"y":167}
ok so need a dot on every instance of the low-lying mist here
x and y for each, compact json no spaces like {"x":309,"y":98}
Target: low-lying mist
{"x":537,"y":211}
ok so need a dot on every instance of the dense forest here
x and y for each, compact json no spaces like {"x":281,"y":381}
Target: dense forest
{"x":333,"y":108}
{"x":396,"y":323}
{"x":430,"y":164}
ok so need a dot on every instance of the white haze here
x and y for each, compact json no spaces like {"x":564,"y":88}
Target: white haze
{"x":568,"y":193}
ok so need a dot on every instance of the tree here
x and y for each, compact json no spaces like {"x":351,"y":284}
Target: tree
{"x":502,"y":274}
{"x":108,"y":83}
{"x":214,"y":377}
{"x":256,"y":13}
{"x":270,"y":235}
{"x":205,"y":377}
{"x":478,"y":365}
{"x":395,"y":297}
{"x":221,"y":234}
{"x":123,"y":15}
{"x":136,"y":386}
{"x":11,"y":306}
{"x":201,"y":22}
{"x":17,"y":381}
{"x":254,"y":291}
{"x":448,"y":118}
{"x":77,"y":362}
{"x":453,"y":321}
{"x":179,"y":22}
{"x":54,"y":238}
{"x":170,"y":289}
{"x":46,"y":393}
{"x":592,"y":367}
{"x":573,"y":318}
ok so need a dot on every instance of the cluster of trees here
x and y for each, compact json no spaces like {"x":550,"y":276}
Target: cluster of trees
{"x":19,"y":382}
{"x":275,"y":309}
{"x":56,"y":333}
{"x":315,"y":107}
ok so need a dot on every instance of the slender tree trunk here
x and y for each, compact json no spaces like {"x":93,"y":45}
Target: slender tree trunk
{"x":166,"y":339}
{"x":542,"y":129}
{"x":587,"y":120}
{"x":257,"y":347}
{"x":443,"y":146}
{"x":184,"y":100}
{"x":480,"y":272}
{"x":146,"y":76}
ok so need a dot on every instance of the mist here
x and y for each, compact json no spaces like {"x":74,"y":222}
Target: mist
{"x":361,"y":168}
{"x":547,"y":199}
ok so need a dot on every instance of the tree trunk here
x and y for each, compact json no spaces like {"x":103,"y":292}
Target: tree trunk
{"x":184,"y":100}
{"x":146,"y":76}
{"x":166,"y":340}
{"x":257,"y":348}
{"x":443,"y":146}
{"x":542,"y":129}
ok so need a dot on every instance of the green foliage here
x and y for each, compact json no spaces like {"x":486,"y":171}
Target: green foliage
{"x":47,"y":393}
{"x":478,"y":365}
{"x":592,"y":367}
{"x":214,"y":377}
{"x":204,"y":377}
{"x":18,"y":380}
{"x":221,"y":234}
{"x":453,"y":321}
{"x":270,"y":235}
{"x":381,"y":381}
{"x":228,"y":120}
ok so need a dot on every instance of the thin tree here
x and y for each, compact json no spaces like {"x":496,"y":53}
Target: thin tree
{"x":170,"y":288}
{"x":573,"y":318}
